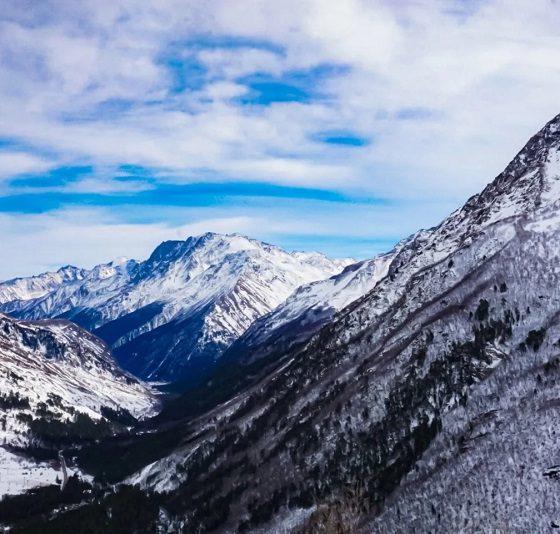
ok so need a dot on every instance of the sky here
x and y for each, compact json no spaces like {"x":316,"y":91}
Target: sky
{"x":334,"y":126}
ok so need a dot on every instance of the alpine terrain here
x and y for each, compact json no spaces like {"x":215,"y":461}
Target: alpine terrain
{"x":415,"y":392}
{"x":171,"y":317}
{"x":310,"y":307}
{"x":24,"y":289}
{"x":57,"y":382}
{"x":429,"y":404}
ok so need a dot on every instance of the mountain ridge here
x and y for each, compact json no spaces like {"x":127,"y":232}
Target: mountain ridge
{"x":426,"y":404}
{"x":28,"y":288}
{"x":465,"y":323}
{"x":57,"y":383}
{"x":209,"y":287}
{"x":532,"y":154}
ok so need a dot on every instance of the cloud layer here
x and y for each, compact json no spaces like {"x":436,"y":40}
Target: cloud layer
{"x":403,"y":109}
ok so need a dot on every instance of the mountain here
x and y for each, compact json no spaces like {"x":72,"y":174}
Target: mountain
{"x":56,"y":378}
{"x":430,"y":404}
{"x":172,"y":316}
{"x":92,"y":287}
{"x":19,"y":290}
{"x":310,"y":307}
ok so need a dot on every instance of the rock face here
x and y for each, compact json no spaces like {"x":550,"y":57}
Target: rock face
{"x":442,"y":382}
{"x":171,"y":316}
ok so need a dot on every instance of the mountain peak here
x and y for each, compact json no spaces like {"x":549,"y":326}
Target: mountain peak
{"x":535,"y":153}
{"x":530,"y":183}
{"x":210,"y":245}
{"x":412,"y":387}
{"x":70,"y":270}
{"x":120,"y":260}
{"x":198,"y":294}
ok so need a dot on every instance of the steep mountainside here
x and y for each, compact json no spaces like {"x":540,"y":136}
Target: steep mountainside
{"x":45,"y":360}
{"x":442,"y":381}
{"x":56,"y":378}
{"x":171,"y":316}
{"x":309,"y":308}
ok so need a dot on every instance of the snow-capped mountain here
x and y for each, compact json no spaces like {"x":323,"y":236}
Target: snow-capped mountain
{"x":172,"y":316}
{"x":91,"y":288}
{"x":309,"y":308}
{"x":34,"y":287}
{"x":55,"y":359}
{"x":52,"y":372}
{"x":430,"y":404}
{"x":313,"y":305}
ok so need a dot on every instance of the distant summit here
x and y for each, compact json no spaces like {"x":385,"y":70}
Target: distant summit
{"x":171,"y":317}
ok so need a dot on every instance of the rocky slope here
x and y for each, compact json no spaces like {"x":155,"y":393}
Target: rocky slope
{"x":441,"y":381}
{"x":171,"y":316}
{"x":310,"y":307}
{"x":54,"y":377}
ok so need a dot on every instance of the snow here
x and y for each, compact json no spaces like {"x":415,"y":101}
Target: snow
{"x":236,"y":278}
{"x":289,"y":520}
{"x":61,"y":366}
{"x":161,"y":476}
{"x":334,"y":293}
{"x":25,"y":289}
{"x":18,"y":474}
{"x":486,"y":469}
{"x":65,"y":364}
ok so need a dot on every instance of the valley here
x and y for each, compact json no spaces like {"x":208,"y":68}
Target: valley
{"x":322,"y":394}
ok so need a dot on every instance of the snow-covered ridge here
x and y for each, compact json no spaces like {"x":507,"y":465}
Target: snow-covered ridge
{"x":310,"y":306}
{"x":199,"y":294}
{"x":530,"y":181}
{"x":33,"y":287}
{"x":43,"y":360}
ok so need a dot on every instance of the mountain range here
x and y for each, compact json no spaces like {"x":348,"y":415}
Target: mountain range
{"x":414,"y":392}
{"x":172,"y":316}
{"x":440,"y":381}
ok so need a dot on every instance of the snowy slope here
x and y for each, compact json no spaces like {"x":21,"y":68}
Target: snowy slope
{"x":55,"y":369}
{"x":518,"y":190}
{"x":309,"y":308}
{"x":61,"y":365}
{"x":24,"y":289}
{"x":435,"y":394}
{"x":172,"y":315}
{"x":19,"y":474}
{"x":91,"y":289}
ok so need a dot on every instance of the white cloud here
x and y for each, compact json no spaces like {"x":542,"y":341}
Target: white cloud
{"x":33,"y":243}
{"x":487,"y":75}
{"x":473,"y":70}
{"x":15,"y":163}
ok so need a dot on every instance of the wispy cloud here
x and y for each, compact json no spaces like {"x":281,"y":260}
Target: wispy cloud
{"x":17,"y":163}
{"x":410,"y":100}
{"x":43,"y":240}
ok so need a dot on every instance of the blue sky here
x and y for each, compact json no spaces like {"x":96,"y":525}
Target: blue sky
{"x":341,"y":127}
